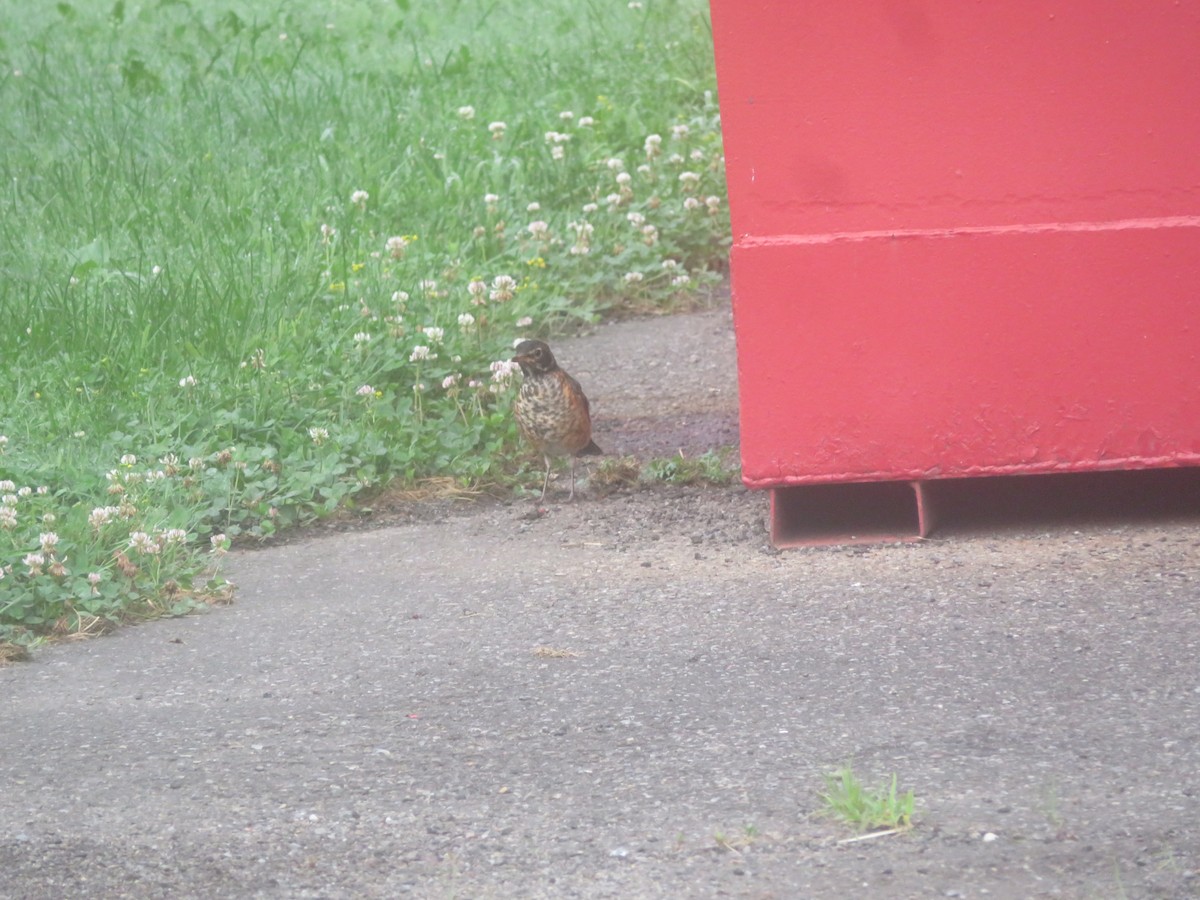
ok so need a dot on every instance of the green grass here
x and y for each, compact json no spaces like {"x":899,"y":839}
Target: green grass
{"x":866,"y":809}
{"x":713,"y":467}
{"x":227,"y":229}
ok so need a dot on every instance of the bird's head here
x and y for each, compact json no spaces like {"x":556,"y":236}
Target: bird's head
{"x":534,"y":358}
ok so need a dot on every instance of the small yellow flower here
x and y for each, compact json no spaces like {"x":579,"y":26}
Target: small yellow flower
{"x":537,"y":262}
{"x":337,"y":287}
{"x":357,"y":267}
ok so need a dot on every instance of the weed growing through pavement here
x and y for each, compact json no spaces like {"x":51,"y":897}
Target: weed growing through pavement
{"x":866,"y":809}
{"x":735,"y":843}
{"x":284,"y":259}
{"x":713,"y":467}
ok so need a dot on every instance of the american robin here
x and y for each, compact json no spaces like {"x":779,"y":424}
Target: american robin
{"x":552,"y":409}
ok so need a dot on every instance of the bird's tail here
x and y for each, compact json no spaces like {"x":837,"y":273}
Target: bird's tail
{"x":590,"y":450}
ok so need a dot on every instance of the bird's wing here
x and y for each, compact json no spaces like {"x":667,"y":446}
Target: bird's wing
{"x":574,"y":392}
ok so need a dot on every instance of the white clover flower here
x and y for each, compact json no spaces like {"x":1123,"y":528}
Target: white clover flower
{"x":362,"y":337}
{"x":8,"y":518}
{"x":142,"y":542}
{"x":713,"y":203}
{"x":583,"y":237}
{"x":128,"y":460}
{"x":586,"y":121}
{"x":94,"y":579}
{"x":670,"y":264}
{"x":680,"y":280}
{"x":219,"y":543}
{"x":497,"y":130}
{"x":634,"y":4}
{"x":7,"y":485}
{"x":421,"y":353}
{"x":566,"y":115}
{"x":533,"y":207}
{"x":156,"y":271}
{"x":428,"y":286}
{"x":633,"y":277}
{"x":188,"y":381}
{"x":434,"y":333}
{"x":24,"y":491}
{"x":689,"y":180}
{"x":557,"y":152}
{"x":691,"y":203}
{"x":613,"y":201}
{"x":645,"y":170}
{"x":466,"y":320}
{"x":491,"y":199}
{"x":450,"y":381}
{"x":3,"y":441}
{"x":652,"y":145}
{"x":675,"y":159}
{"x":503,"y":371}
{"x":590,"y":207}
{"x":556,"y":137}
{"x":360,"y":198}
{"x":174,"y":536}
{"x":615,"y":164}
{"x":49,"y":518}
{"x":679,"y":132}
{"x":503,"y":288}
{"x":365,"y":391}
{"x":48,"y":540}
{"x":396,"y":245}
{"x":34,"y":561}
{"x":524,"y":322}
{"x":539,"y":230}
{"x":102,"y":515}
{"x":623,"y":178}
{"x":400,"y":297}
{"x":696,"y":156}
{"x":466,"y":113}
{"x":318,"y":435}
{"x":649,"y":234}
{"x":327,"y":233}
{"x":636,"y":219}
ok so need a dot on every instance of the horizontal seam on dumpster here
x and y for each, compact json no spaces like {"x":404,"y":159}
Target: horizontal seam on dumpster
{"x":751,"y":240}
{"x":1181,"y":460}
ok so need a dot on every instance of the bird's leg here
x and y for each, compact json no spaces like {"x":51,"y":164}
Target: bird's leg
{"x":546,"y":480}
{"x":571,"y":496}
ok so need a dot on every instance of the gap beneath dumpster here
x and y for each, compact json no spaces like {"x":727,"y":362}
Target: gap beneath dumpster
{"x":876,"y":512}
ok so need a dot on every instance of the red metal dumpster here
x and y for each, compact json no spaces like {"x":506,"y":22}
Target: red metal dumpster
{"x":966,"y":243}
